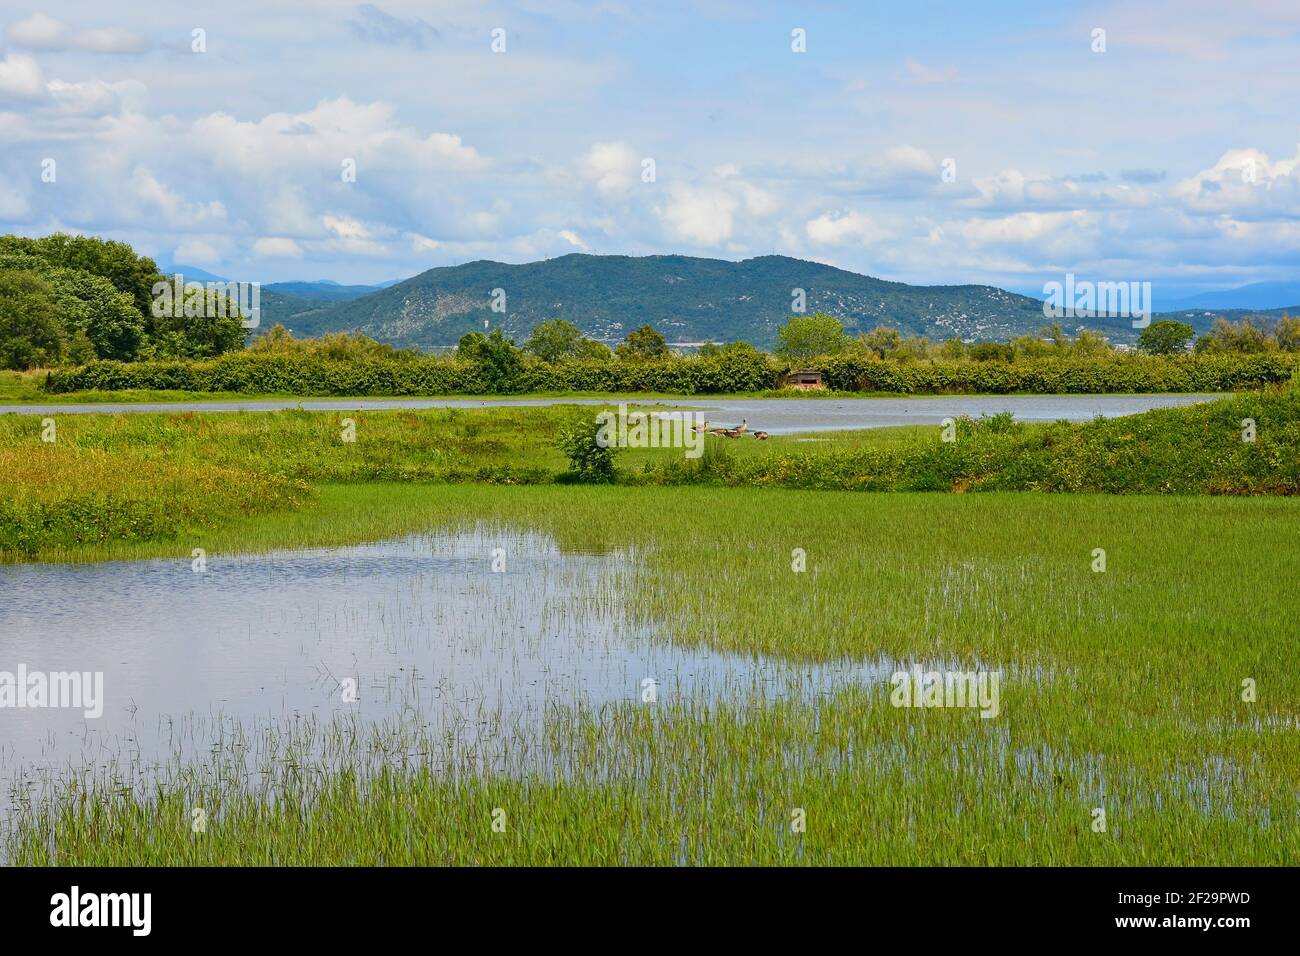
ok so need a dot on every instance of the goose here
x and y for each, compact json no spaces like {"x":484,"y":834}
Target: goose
{"x":761,"y":436}
{"x":701,"y":429}
{"x":744,"y":426}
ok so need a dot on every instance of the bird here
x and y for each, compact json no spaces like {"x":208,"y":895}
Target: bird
{"x":744,"y":425}
{"x":761,"y":436}
{"x":702,"y":429}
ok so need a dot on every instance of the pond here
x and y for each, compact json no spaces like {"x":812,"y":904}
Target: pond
{"x":422,"y":628}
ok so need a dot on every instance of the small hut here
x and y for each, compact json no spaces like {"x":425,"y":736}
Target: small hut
{"x":804,"y":378}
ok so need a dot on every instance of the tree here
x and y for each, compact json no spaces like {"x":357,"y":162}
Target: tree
{"x":808,"y":336}
{"x":882,"y":341}
{"x":496,"y":356}
{"x":1089,"y":342}
{"x":953,"y":349}
{"x":1287,"y":334}
{"x":992,"y":352}
{"x":31,"y":335}
{"x":92,"y":306}
{"x":115,"y":261}
{"x":557,"y":340}
{"x":204,"y":325}
{"x":1055,"y":335}
{"x":643,"y":345}
{"x":1225,"y":336}
{"x":1166,"y":337}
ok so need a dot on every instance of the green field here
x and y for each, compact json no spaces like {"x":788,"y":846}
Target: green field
{"x":1122,"y":690}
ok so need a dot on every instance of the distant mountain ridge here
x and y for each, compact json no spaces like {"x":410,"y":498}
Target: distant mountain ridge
{"x":692,"y":299}
{"x":688,"y":299}
{"x":1258,"y":295}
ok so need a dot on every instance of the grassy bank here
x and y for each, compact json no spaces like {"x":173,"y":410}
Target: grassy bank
{"x":142,"y":477}
{"x":1122,"y":691}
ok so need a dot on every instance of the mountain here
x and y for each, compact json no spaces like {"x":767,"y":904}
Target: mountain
{"x":687,"y":299}
{"x":190,"y":273}
{"x":321,"y":290}
{"x":1258,"y":295}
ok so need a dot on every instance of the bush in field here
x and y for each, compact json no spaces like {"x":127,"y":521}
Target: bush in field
{"x":591,"y":456}
{"x":333,"y":346}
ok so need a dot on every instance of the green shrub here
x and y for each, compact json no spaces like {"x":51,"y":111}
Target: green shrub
{"x":724,"y":373}
{"x":590,"y":458}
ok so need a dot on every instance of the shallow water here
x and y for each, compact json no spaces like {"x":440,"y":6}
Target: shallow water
{"x":423,"y":625}
{"x":774,"y":415}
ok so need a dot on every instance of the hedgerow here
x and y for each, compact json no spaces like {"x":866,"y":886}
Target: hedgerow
{"x":313,"y":375}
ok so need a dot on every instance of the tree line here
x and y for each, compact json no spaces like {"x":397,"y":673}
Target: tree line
{"x":68,"y":300}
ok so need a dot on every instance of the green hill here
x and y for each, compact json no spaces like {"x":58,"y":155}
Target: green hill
{"x":688,"y":299}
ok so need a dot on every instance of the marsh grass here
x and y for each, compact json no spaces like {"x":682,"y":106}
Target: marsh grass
{"x":1122,"y":691}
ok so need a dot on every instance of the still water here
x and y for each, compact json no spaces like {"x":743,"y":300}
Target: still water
{"x":774,"y":415}
{"x":423,"y":625}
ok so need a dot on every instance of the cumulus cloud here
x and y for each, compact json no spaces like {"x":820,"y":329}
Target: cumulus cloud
{"x":21,"y":78}
{"x":613,"y":168}
{"x":41,"y":32}
{"x":699,"y":216}
{"x":277,"y":247}
{"x":1244,"y":180}
{"x":832,"y":229}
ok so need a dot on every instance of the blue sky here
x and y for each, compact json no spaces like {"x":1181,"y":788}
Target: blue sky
{"x":1170,"y":157}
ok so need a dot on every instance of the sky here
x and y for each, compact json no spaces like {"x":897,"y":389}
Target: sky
{"x":1007,"y":143}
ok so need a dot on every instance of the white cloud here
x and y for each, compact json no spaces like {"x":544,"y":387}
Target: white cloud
{"x":573,"y":239}
{"x":612,"y":167}
{"x":196,"y":251}
{"x":835,"y":230}
{"x":421,"y":243}
{"x":332,"y":131}
{"x":702,"y":217}
{"x":1242,"y":180}
{"x":45,"y":33}
{"x":21,"y":77}
{"x":345,"y":227}
{"x":277,"y":248}
{"x":37,"y":32}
